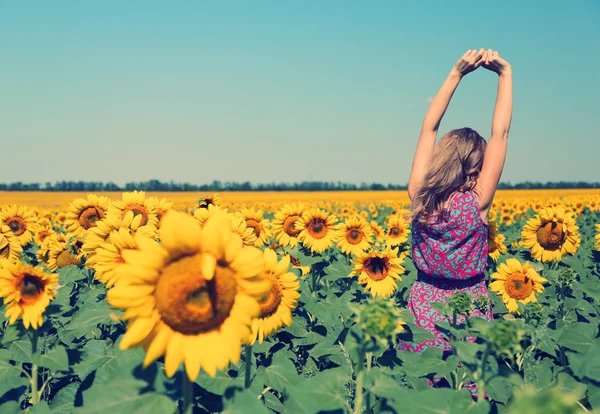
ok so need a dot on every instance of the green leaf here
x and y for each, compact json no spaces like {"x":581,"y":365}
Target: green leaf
{"x":10,"y":407}
{"x":122,"y":395}
{"x":338,"y":270}
{"x":325,"y":391}
{"x":244,"y":402}
{"x":20,"y":350}
{"x":434,"y":401}
{"x":588,"y":364}
{"x":96,"y":354}
{"x":385,"y":386}
{"x":64,"y":400}
{"x":570,"y":385}
{"x":56,"y":359}
{"x":7,"y":370}
{"x":499,"y":389}
{"x":578,"y":336}
{"x":281,"y":375}
{"x":40,"y":408}
{"x":87,"y":319}
{"x":218,"y":384}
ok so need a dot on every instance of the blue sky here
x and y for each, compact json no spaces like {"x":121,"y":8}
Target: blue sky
{"x":286,"y":91}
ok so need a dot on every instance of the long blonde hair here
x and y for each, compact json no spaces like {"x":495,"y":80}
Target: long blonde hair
{"x":455,"y":165}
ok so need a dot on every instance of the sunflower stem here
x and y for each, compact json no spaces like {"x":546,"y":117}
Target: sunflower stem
{"x":481,"y":382}
{"x":360,"y":378}
{"x":248,"y":370}
{"x":188,"y":394}
{"x":368,"y":394}
{"x":35,"y":395}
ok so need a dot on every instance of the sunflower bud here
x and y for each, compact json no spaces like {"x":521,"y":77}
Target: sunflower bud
{"x":566,"y":277}
{"x":461,"y":303}
{"x":503,"y":336}
{"x":482,"y":303}
{"x":549,"y":401}
{"x":379,"y":319}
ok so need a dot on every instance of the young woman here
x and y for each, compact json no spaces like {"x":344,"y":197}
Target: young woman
{"x":451,"y":186}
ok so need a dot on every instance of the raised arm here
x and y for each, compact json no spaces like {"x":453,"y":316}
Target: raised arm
{"x":467,"y":63}
{"x":495,"y":153}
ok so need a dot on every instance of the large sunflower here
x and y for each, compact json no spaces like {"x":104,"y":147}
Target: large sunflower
{"x":10,"y":248}
{"x":318,"y":230}
{"x":192,"y":297}
{"x":21,"y":221}
{"x":496,"y":240}
{"x":276,"y":309}
{"x":136,"y":202}
{"x":551,"y":234}
{"x":27,"y":291}
{"x":379,"y":271}
{"x":255,"y":220}
{"x":284,"y":224}
{"x":516,"y":282}
{"x":83,"y":213}
{"x":356,"y":236}
{"x":398,"y":231}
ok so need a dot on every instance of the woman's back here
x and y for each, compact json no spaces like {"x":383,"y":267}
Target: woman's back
{"x":455,"y":246}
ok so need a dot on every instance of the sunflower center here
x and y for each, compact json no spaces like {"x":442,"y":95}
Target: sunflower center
{"x":518,"y":286}
{"x":30,"y":287}
{"x":270,"y":304}
{"x":551,"y":235}
{"x":43,"y":234}
{"x":395,"y":231}
{"x":255,"y":225}
{"x":376,"y":268}
{"x":138,"y":210}
{"x":190,"y":304}
{"x":354,"y":236}
{"x":289,"y":227}
{"x":89,"y":217}
{"x":317,"y":228}
{"x":17,"y":225}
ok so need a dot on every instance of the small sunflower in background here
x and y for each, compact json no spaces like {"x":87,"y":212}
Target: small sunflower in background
{"x":205,"y":202}
{"x":59,"y":220}
{"x":276,"y":308}
{"x":162,"y":207}
{"x":83,"y":213}
{"x":139,"y":204}
{"x":44,"y":230}
{"x":397,"y":233}
{"x":379,"y":271}
{"x":203,"y":214}
{"x":597,"y":237}
{"x":318,"y":230}
{"x":27,"y":291}
{"x":255,"y":220}
{"x":377,"y":230}
{"x":21,"y":221}
{"x":304,"y":270}
{"x":355,"y":236}
{"x":108,"y":260}
{"x":191,"y":297}
{"x":239,"y":226}
{"x":551,"y":234}
{"x":60,"y":253}
{"x":284,"y":224}
{"x":516,"y":282}
{"x":496,"y":240}
{"x":10,"y":248}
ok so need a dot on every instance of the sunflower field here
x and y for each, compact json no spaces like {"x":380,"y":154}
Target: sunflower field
{"x":139,"y":304}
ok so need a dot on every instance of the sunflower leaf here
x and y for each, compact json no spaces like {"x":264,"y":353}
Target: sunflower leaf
{"x":64,"y":400}
{"x":281,"y":375}
{"x":325,"y":391}
{"x":578,"y":336}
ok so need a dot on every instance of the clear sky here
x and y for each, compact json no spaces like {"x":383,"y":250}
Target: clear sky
{"x":286,"y":90}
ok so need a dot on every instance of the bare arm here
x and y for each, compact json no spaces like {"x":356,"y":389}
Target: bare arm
{"x":495,"y":153}
{"x":467,"y":63}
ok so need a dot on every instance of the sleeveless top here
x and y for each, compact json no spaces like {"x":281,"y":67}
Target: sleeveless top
{"x":455,"y":246}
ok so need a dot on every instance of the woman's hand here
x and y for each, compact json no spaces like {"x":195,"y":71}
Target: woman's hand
{"x":492,"y":61}
{"x":470,"y":61}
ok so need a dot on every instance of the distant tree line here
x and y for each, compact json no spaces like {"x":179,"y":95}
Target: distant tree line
{"x":218,"y":186}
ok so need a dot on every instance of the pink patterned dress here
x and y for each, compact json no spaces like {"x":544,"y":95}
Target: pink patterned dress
{"x":450,"y":255}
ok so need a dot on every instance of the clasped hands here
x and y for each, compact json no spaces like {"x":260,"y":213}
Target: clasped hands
{"x":472,"y":59}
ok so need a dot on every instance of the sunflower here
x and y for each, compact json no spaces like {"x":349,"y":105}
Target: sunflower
{"x":27,"y":291}
{"x":239,"y":226}
{"x":276,"y":309}
{"x":60,"y":254}
{"x":379,"y":271}
{"x":20,"y":220}
{"x":205,"y":202}
{"x":284,"y":224}
{"x":318,"y":230}
{"x":254,"y":219}
{"x":355,"y":236}
{"x":108,"y":262}
{"x":59,"y":220}
{"x":551,"y":234}
{"x":398,"y":230}
{"x":597,"y":237}
{"x":162,"y":207}
{"x":377,"y":230}
{"x":83,"y":213}
{"x":44,"y":230}
{"x":105,"y":228}
{"x":304,"y":270}
{"x":191,"y":298}
{"x":10,"y":248}
{"x":136,"y":202}
{"x":496,"y":241}
{"x":516,"y":282}
{"x":203,"y":214}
